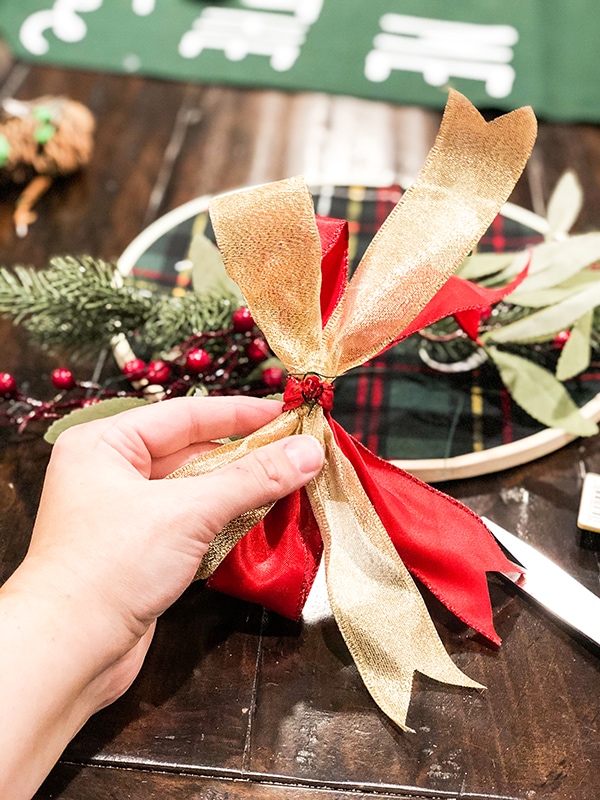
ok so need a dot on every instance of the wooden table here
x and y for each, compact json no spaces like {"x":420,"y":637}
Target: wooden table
{"x":235,"y":703}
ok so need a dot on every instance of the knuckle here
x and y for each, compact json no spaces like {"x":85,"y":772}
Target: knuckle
{"x":268,"y":471}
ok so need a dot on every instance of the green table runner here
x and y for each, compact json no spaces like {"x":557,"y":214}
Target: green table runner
{"x":500,"y":54}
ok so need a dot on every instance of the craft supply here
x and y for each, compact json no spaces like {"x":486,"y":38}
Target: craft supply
{"x":550,"y":586}
{"x":40,"y":140}
{"x":374,"y":524}
{"x":589,"y":506}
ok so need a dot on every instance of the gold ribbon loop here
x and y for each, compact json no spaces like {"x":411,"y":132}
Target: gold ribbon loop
{"x":470,"y":172}
{"x":270,"y":244}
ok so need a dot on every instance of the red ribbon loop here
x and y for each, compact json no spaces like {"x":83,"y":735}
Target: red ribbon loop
{"x":310,"y":389}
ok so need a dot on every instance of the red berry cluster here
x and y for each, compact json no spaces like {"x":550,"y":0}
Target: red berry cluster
{"x":222,"y":362}
{"x":20,"y":409}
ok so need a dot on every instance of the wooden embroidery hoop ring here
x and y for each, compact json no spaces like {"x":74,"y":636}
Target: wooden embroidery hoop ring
{"x":431,"y":470}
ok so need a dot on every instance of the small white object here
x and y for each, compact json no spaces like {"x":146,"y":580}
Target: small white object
{"x":589,"y":505}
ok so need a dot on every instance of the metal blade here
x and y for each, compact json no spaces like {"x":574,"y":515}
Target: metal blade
{"x":551,"y":587}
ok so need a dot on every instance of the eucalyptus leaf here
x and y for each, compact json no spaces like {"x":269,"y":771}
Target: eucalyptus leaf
{"x":548,"y":297}
{"x":208,"y":271}
{"x":545,"y":324}
{"x":553,"y":262}
{"x":481,"y":265}
{"x":564,"y":205}
{"x":198,"y":390}
{"x":541,"y":298}
{"x":518,"y":263}
{"x":540,"y":394}
{"x":99,"y":410}
{"x":577,"y":351}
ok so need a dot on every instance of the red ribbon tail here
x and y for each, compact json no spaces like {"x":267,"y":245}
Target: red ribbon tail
{"x":442,"y":542}
{"x":459,"y":297}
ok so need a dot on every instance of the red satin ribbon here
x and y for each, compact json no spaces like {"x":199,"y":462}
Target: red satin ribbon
{"x":442,"y":542}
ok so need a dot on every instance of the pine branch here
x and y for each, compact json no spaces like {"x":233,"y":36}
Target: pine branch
{"x":178,"y":318}
{"x":75,"y":303}
{"x":82,"y":303}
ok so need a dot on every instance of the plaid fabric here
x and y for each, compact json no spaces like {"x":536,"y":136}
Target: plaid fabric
{"x":396,"y":405}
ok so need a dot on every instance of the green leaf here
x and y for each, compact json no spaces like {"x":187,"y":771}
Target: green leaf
{"x":564,"y":205}
{"x":545,"y":324}
{"x":257,"y":372}
{"x":540,"y":394}
{"x":577,"y":351}
{"x":553,"y":262}
{"x":99,"y":410}
{"x":198,"y":390}
{"x":548,"y":297}
{"x":481,"y":265}
{"x":208,"y":271}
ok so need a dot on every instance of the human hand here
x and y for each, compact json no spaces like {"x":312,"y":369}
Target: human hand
{"x":114,"y":544}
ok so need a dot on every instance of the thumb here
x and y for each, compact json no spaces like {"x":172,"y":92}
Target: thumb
{"x":262,"y":477}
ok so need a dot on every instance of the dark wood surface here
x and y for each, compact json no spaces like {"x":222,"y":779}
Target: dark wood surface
{"x":238,"y":704}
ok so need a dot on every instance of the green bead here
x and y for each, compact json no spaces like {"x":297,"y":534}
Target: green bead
{"x":43,"y":133}
{"x":4,"y":150}
{"x":43,"y":113}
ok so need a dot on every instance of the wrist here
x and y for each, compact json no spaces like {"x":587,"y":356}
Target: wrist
{"x":62,"y":658}
{"x":70,"y":626}
{"x":43,"y":688}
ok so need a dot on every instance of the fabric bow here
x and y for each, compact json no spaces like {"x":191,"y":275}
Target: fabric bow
{"x":375,"y":523}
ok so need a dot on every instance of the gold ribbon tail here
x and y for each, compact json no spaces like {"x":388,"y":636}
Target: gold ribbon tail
{"x":376,"y":604}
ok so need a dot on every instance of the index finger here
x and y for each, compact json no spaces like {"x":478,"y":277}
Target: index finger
{"x":162,"y":428}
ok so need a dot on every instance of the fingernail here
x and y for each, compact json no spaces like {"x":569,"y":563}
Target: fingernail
{"x":305,"y":453}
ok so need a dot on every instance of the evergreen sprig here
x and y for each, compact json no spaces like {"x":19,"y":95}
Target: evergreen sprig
{"x":175,"y":319}
{"x":80,"y":304}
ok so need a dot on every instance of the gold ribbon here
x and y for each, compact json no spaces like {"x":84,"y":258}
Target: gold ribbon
{"x":270,"y":245}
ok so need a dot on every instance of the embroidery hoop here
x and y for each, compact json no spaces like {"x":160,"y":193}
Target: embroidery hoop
{"x":431,"y":470}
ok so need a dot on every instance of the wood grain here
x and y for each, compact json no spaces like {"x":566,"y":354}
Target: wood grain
{"x":70,"y":782}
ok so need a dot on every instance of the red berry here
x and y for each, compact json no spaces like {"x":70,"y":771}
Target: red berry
{"x":257,"y":349}
{"x":134,"y":369}
{"x":486,"y":313}
{"x":62,"y":378}
{"x":273,"y":377}
{"x":158,"y":372}
{"x":8,"y":384}
{"x":198,"y":360}
{"x":561,"y":339}
{"x":242,"y":320}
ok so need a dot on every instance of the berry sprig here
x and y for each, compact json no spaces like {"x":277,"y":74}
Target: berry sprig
{"x":235,"y":360}
{"x":18,"y":408}
{"x":222,"y":362}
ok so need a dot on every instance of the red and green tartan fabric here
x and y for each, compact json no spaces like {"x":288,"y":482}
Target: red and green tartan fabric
{"x":396,"y":405}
